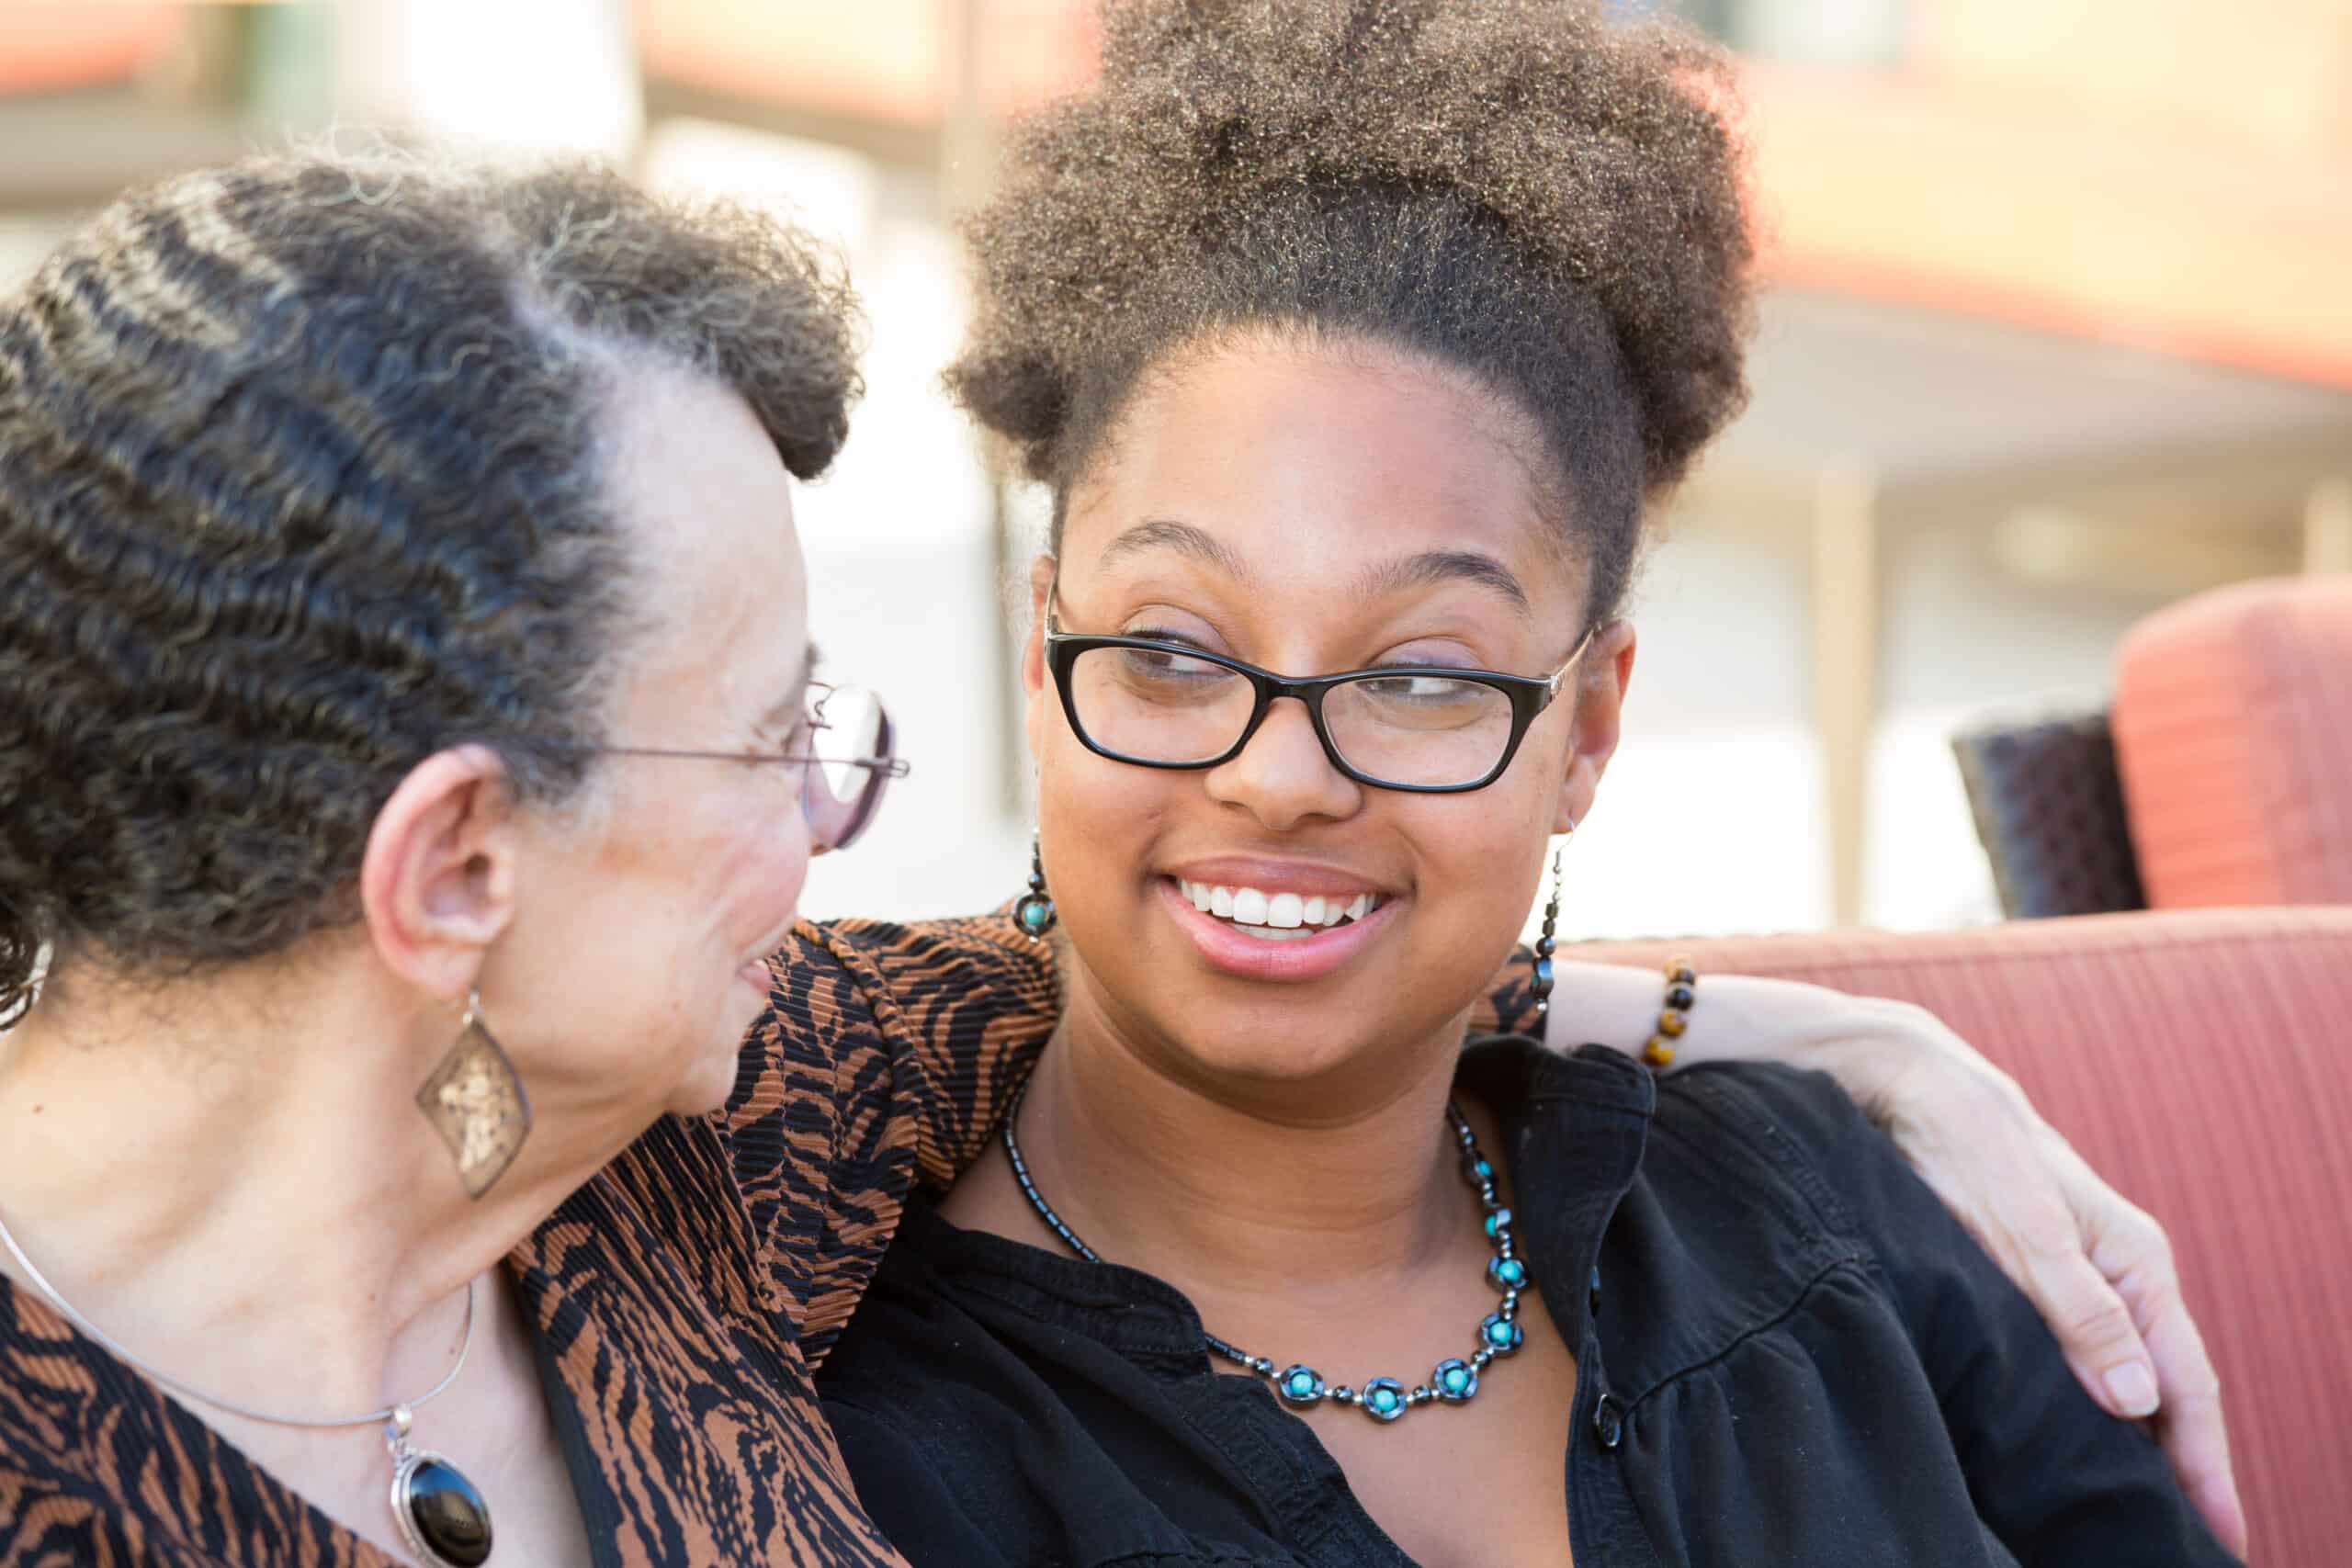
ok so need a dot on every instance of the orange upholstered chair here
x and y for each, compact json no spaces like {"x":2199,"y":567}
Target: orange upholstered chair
{"x":2202,"y":1060}
{"x":2232,"y":725}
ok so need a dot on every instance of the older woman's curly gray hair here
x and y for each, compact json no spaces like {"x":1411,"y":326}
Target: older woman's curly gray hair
{"x":299,"y":482}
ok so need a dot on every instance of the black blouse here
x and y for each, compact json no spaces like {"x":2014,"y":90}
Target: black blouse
{"x":1794,"y":1356}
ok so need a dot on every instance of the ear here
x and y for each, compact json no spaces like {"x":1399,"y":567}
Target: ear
{"x":1601,"y":677}
{"x":436,"y":884}
{"x":1042,"y":572}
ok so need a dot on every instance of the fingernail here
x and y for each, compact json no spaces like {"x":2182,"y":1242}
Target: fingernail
{"x":2133,"y":1388}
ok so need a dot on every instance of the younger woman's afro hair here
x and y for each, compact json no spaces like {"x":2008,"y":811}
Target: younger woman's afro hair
{"x":1597,"y":159}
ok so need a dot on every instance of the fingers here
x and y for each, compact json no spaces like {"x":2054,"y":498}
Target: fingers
{"x":2193,"y":1431}
{"x":2038,"y":1229}
{"x":2034,"y":1218}
{"x":2099,"y":1270}
{"x":2095,"y":1327}
{"x":2197,"y":1441}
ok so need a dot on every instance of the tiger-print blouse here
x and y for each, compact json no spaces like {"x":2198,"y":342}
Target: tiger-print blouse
{"x":683,"y":1297}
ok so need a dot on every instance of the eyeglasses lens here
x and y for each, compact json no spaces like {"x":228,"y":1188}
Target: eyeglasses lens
{"x":840,"y":795}
{"x":1418,"y":729}
{"x":1158,"y":706}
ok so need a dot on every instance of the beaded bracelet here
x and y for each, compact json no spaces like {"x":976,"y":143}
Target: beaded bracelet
{"x":1681,"y":994}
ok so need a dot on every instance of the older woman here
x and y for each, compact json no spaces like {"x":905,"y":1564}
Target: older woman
{"x":1353,"y":338}
{"x":405,"y":720}
{"x":404,"y":698}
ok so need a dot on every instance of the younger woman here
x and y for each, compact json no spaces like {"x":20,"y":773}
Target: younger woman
{"x":1353,"y":340}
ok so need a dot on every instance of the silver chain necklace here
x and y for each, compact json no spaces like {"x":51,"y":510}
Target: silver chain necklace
{"x":441,"y":1515}
{"x":1454,"y":1381}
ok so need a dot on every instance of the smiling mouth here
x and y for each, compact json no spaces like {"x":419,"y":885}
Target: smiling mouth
{"x":1277,"y":917}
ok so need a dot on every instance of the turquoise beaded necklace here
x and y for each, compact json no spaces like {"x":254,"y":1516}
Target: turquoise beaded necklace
{"x":1454,"y":1381}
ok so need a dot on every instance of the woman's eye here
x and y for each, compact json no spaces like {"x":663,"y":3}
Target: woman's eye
{"x":1169,"y":663}
{"x":1414,"y":688}
{"x":1163,"y":634}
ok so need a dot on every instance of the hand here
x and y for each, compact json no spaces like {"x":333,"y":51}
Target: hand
{"x":2100,"y":1269}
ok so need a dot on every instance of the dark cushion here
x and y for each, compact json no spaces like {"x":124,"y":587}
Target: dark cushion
{"x":2049,"y":806}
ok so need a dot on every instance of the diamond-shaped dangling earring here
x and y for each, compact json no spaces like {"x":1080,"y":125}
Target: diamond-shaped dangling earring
{"x":1034,"y":911}
{"x":475,"y":1101}
{"x":1538,"y":985}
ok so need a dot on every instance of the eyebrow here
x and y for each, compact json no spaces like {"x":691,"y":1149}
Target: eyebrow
{"x":1166,"y":532}
{"x":1433,"y":567}
{"x":796,"y":692}
{"x":1420,"y":571}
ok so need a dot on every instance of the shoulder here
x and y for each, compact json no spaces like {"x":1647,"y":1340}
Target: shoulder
{"x":884,"y":1056}
{"x":916,"y":952}
{"x":1767,"y":1219}
{"x":844,"y":992}
{"x":1797,"y":1129}
{"x":1776,"y":1181}
{"x":847,"y":970}
{"x":1794,"y":1141}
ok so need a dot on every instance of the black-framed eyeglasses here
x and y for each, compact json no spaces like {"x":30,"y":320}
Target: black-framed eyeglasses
{"x":838,"y":794}
{"x":1429,"y":729}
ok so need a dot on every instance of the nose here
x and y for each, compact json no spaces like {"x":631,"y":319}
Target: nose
{"x":1283,"y":777}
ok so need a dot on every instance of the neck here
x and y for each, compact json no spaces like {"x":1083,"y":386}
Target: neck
{"x":242,"y":1192}
{"x":1223,"y":1189}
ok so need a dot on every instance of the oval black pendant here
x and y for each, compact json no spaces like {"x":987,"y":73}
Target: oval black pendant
{"x":446,"y":1519}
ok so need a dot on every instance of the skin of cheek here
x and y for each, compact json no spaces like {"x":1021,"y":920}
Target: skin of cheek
{"x":635,"y":929}
{"x":758,"y":860}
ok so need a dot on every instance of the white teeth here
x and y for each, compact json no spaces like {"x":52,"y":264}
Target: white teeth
{"x":1269,"y":933}
{"x":1262,"y":912}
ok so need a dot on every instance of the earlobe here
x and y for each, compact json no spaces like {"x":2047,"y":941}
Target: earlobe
{"x":436,"y":882}
{"x":1577,"y":793}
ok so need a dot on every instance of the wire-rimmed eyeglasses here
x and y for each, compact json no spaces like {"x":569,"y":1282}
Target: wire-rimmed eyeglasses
{"x":838,"y":794}
{"x":1431,"y":729}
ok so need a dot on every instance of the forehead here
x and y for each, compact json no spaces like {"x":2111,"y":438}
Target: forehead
{"x":705,"y":504}
{"x":1307,"y":458}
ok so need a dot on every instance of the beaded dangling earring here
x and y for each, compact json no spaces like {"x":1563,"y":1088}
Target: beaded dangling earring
{"x":1034,"y":912}
{"x":475,"y":1101}
{"x":1538,"y":985}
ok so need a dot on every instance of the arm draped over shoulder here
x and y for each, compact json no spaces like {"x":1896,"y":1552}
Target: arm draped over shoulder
{"x":885,"y":1058}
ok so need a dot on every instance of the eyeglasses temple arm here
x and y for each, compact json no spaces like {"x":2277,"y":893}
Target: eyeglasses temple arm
{"x":1569,"y":663}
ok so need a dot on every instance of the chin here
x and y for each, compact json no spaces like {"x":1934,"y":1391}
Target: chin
{"x":708,"y":1084}
{"x":1269,"y":1046}
{"x":708,"y":1081}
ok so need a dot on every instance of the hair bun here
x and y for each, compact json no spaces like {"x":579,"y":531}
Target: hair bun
{"x":1601,"y":151}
